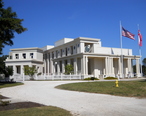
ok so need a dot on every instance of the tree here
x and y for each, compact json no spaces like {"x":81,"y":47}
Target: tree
{"x":9,"y":24}
{"x":2,"y":63}
{"x":69,"y":69}
{"x":144,"y":66}
{"x":144,"y":61}
{"x":30,"y":71}
{"x":8,"y":71}
{"x":134,"y":68}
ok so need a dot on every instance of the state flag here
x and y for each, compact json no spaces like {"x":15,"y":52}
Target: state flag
{"x":139,"y":38}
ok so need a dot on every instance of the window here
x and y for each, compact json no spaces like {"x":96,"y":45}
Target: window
{"x":52,"y":55}
{"x":10,"y":57}
{"x":24,"y":55}
{"x":71,"y":49}
{"x":61,"y":53}
{"x":78,"y":45}
{"x":31,"y":55}
{"x":66,"y":51}
{"x":17,"y":56}
{"x":56,"y":54}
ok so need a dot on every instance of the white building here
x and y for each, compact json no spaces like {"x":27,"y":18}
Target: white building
{"x":87,"y":56}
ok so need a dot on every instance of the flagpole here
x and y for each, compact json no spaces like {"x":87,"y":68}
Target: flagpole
{"x":121,"y":49}
{"x":140,"y":53}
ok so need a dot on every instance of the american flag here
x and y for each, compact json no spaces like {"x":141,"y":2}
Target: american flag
{"x":139,"y":38}
{"x":126,"y":33}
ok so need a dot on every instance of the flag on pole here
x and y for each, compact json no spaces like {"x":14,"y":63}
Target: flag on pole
{"x":139,"y":38}
{"x":126,"y":33}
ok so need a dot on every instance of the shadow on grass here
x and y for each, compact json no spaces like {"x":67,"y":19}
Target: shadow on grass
{"x":144,"y":80}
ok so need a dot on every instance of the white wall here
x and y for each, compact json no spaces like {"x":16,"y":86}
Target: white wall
{"x":115,"y":51}
{"x":63,"y":41}
{"x":39,"y":56}
{"x":98,"y":66}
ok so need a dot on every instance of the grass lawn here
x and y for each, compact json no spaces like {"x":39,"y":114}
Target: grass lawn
{"x":3,"y":85}
{"x":36,"y":111}
{"x":126,"y":88}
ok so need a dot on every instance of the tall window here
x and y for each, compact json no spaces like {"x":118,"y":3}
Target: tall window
{"x":61,"y":53}
{"x":52,"y":55}
{"x":10,"y":57}
{"x":17,"y":56}
{"x":66,"y":51}
{"x":71,"y":49}
{"x":31,"y":55}
{"x":24,"y":55}
{"x":56,"y":53}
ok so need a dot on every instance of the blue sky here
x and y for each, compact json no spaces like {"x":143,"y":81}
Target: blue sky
{"x":51,"y":20}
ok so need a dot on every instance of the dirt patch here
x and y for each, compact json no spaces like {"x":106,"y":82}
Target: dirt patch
{"x":3,"y":97}
{"x":20,"y":105}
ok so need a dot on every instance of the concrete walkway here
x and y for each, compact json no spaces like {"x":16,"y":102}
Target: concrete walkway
{"x":79,"y":103}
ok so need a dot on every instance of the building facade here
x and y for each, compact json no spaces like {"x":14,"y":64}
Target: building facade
{"x":87,"y":56}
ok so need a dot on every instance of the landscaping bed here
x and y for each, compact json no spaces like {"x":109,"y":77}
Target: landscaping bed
{"x":19,"y":105}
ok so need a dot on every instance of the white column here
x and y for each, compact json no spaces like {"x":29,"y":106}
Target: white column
{"x":51,"y":64}
{"x":45,"y":66}
{"x":106,"y":66}
{"x":14,"y":68}
{"x":82,"y":47}
{"x":112,"y":68}
{"x":54,"y":54}
{"x":132,"y":75}
{"x":86,"y":65}
{"x":75,"y":65}
{"x":137,"y":68}
{"x":83,"y":65}
{"x":48,"y":64}
{"x":30,"y":65}
{"x":129,"y":67}
{"x":119,"y":71}
{"x":21,"y":69}
{"x":112,"y":65}
{"x":58,"y":68}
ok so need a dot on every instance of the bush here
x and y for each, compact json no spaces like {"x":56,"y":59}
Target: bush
{"x":39,"y":73}
{"x":69,"y":69}
{"x":108,"y":78}
{"x":91,"y":78}
{"x":4,"y":103}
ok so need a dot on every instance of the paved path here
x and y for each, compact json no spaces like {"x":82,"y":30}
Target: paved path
{"x":79,"y":103}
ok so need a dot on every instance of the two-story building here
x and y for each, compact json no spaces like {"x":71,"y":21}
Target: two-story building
{"x":87,"y":56}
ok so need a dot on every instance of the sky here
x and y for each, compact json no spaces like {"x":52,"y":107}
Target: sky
{"x":48,"y":21}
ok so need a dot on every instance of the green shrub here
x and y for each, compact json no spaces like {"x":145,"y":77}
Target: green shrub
{"x":110,"y":78}
{"x":4,"y":103}
{"x":91,"y":78}
{"x":39,"y":73}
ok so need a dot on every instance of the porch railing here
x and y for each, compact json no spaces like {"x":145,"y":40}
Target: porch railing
{"x":22,"y":77}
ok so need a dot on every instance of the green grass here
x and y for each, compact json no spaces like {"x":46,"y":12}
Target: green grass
{"x":126,"y":88}
{"x":37,"y":111}
{"x":3,"y":85}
